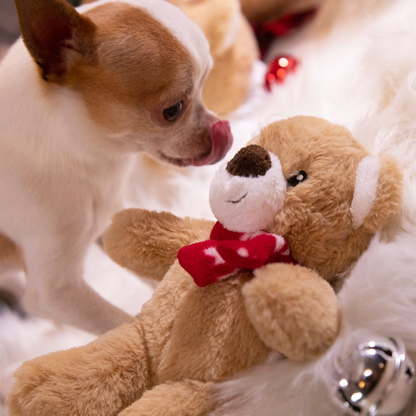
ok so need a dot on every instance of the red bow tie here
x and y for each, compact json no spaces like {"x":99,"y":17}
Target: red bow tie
{"x":227,"y":252}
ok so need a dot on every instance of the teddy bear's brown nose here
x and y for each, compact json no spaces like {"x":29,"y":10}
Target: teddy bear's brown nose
{"x":250,"y":161}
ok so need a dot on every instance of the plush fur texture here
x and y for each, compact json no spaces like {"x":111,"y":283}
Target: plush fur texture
{"x":328,"y":245}
{"x":121,"y":243}
{"x":367,"y":84}
{"x":379,"y":297}
{"x":356,"y":70}
{"x":286,"y":308}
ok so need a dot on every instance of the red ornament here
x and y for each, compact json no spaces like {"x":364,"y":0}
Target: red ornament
{"x":279,"y":69}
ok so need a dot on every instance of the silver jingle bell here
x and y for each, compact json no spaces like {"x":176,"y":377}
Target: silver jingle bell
{"x":374,"y":377}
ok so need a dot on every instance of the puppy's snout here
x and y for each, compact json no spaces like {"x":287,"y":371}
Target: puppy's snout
{"x":250,"y":161}
{"x":220,"y":140}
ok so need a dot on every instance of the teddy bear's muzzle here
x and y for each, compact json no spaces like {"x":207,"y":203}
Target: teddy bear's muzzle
{"x":248,"y":192}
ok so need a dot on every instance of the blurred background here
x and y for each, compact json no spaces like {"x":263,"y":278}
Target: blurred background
{"x":356,"y":67}
{"x":9,"y":25}
{"x":257,"y":11}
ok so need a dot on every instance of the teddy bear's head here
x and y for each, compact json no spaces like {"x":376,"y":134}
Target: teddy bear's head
{"x":311,"y":182}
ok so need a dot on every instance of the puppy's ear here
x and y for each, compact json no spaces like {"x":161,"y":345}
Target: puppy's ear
{"x":55,"y":34}
{"x":377,"y":193}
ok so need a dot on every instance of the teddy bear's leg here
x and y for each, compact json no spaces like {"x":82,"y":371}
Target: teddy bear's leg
{"x":293,"y":309}
{"x":181,"y":398}
{"x":147,"y":242}
{"x":100,"y":378}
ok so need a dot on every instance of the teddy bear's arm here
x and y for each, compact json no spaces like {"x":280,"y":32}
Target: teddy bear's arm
{"x":293,"y":309}
{"x":100,"y":378}
{"x":147,"y":242}
{"x":185,"y":398}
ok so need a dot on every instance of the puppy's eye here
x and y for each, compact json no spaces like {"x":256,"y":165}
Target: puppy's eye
{"x":172,"y":113}
{"x":297,"y":179}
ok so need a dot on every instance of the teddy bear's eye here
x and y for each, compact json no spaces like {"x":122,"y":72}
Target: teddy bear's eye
{"x":294,"y":180}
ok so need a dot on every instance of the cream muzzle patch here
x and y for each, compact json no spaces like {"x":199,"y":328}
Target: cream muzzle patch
{"x":248,"y":203}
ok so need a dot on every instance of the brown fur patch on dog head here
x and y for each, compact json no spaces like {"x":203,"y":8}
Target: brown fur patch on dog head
{"x":141,"y":70}
{"x":127,"y":65}
{"x":139,"y":64}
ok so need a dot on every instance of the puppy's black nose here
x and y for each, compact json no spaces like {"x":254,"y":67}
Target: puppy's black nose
{"x":250,"y":161}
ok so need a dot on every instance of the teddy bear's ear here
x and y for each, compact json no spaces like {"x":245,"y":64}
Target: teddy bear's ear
{"x":377,"y":193}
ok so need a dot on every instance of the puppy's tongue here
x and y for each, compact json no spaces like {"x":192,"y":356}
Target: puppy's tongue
{"x":222,"y":140}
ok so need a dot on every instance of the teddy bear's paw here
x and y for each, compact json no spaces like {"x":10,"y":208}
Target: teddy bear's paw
{"x":147,"y":242}
{"x":58,"y":385}
{"x":37,"y":392}
{"x":294,"y":311}
{"x":184,"y":398}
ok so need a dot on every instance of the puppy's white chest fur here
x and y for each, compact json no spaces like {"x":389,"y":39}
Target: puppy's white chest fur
{"x":54,"y":161}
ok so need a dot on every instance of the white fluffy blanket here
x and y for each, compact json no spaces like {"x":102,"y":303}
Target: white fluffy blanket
{"x":358,"y":68}
{"x":360,"y":71}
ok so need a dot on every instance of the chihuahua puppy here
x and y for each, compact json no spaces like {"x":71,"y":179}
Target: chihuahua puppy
{"x":80,"y":95}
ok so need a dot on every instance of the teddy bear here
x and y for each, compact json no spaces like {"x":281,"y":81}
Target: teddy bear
{"x":295,"y":209}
